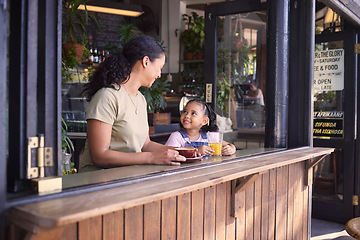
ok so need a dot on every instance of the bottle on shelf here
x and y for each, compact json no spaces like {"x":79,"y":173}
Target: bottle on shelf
{"x":99,"y":57}
{"x":96,"y":56}
{"x":103,"y":56}
{"x":91,"y":56}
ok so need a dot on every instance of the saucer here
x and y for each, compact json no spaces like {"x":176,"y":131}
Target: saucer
{"x":194,"y":159}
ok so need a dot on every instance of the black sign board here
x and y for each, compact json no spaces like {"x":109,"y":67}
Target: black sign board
{"x":329,"y":127}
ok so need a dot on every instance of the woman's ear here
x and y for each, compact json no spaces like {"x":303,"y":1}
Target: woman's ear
{"x":145,"y":61}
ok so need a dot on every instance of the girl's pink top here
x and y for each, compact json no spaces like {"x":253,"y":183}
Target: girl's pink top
{"x":176,"y":140}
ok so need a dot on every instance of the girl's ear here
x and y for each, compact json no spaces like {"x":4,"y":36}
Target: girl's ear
{"x":206,"y":121}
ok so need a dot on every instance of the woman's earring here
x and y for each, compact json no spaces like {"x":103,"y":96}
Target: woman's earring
{"x":208,"y":123}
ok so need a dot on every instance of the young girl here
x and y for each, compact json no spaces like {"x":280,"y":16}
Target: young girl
{"x":198,"y":122}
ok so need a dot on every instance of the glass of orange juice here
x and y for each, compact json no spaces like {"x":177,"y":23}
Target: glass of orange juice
{"x":216,"y":143}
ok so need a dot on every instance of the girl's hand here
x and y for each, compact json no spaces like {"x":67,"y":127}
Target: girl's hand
{"x":205,"y":150}
{"x":167,"y":157}
{"x":228,"y":149}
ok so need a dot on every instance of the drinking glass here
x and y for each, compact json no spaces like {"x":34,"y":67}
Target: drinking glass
{"x":216,"y":143}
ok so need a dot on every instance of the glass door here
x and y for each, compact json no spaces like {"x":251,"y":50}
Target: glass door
{"x":236,"y":86}
{"x":334,"y":124}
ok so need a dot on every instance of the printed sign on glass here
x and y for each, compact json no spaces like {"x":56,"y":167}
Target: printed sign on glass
{"x":329,"y":70}
{"x":328,"y":124}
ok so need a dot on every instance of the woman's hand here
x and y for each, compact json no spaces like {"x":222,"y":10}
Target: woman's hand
{"x":228,"y":149}
{"x":205,"y":150}
{"x":167,"y":157}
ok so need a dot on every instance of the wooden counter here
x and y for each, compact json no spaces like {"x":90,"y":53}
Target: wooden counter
{"x":255,"y":197}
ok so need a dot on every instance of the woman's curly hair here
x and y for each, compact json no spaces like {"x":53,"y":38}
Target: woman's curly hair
{"x":117,"y":67}
{"x":212,"y":127}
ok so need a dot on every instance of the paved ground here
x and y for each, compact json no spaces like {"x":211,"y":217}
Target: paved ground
{"x":324,"y":230}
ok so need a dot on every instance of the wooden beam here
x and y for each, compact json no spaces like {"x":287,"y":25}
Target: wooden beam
{"x":246,"y":182}
{"x":235,"y":188}
{"x":309,"y":167}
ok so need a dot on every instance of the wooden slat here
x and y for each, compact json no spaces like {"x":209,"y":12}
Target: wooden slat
{"x":197,"y":215}
{"x":265,"y":205}
{"x":285,"y":178}
{"x":301,"y":198}
{"x":280,"y":205}
{"x":183,"y":216}
{"x":271,"y":206}
{"x":152,"y":220}
{"x":240,"y":215}
{"x":168,"y":218}
{"x":113,"y":226}
{"x":257,"y":209}
{"x":305,"y":204}
{"x":209,"y":213}
{"x":230,"y":224}
{"x":134,"y":222}
{"x":249,"y":212}
{"x":290,"y":210}
{"x":220,"y":211}
{"x":91,"y":228}
{"x":297,"y":219}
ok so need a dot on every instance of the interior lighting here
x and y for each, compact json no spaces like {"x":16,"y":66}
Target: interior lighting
{"x":330,"y":16}
{"x":112,"y":8}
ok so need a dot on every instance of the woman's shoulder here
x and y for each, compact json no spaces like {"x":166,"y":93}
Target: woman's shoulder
{"x":142,"y":96}
{"x":108,"y":92}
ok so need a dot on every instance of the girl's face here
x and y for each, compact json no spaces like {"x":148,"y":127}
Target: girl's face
{"x":193,"y":116}
{"x":153,"y":69}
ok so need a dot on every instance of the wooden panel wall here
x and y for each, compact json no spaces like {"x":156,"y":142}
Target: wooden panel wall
{"x":272,"y":207}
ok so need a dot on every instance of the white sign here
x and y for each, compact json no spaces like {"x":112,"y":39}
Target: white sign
{"x":329,"y":70}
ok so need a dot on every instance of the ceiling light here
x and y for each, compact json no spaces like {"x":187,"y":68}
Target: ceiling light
{"x":330,"y":16}
{"x":113,"y":8}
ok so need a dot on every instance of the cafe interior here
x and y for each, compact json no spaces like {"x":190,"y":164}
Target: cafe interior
{"x":252,"y":62}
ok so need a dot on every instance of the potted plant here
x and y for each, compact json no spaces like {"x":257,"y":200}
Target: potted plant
{"x":67,"y":149}
{"x":156,"y":102}
{"x":194,"y":35}
{"x":74,"y":23}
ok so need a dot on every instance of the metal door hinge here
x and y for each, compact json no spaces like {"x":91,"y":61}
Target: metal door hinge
{"x":43,"y":156}
{"x":357,"y":48}
{"x":355,"y":201}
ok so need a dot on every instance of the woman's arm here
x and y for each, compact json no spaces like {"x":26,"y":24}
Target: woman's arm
{"x":151,"y":146}
{"x":99,"y":136}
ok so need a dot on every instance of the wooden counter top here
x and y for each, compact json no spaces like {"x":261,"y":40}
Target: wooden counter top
{"x":61,"y":211}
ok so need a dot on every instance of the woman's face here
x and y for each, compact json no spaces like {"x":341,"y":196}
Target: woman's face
{"x":193,"y":116}
{"x":153,"y":70}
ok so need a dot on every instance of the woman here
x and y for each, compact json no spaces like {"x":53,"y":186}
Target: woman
{"x":118,"y":132}
{"x":255,"y":92}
